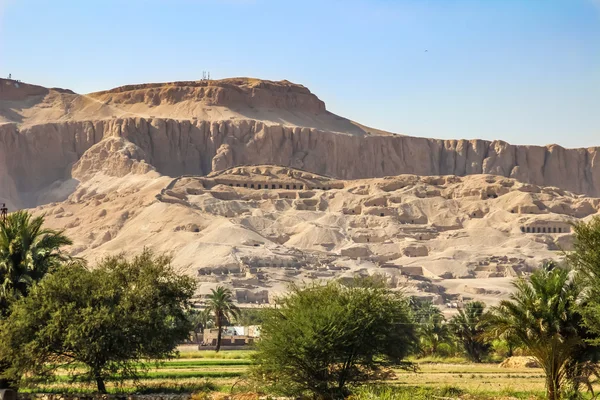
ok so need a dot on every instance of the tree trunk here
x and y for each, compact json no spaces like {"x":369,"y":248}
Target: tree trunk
{"x":551,"y":394}
{"x":100,"y":384}
{"x":344,"y":373}
{"x":220,"y":327}
{"x":553,"y":387}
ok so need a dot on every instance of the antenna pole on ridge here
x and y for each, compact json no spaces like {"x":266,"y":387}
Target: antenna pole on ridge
{"x":3,"y":212}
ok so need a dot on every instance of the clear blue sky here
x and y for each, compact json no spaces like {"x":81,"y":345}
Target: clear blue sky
{"x":524,"y":71}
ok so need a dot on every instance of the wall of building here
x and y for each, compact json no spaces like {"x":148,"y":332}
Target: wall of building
{"x":546,"y":228}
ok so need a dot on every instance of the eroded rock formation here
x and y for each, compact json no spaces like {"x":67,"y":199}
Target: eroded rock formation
{"x":35,"y":155}
{"x":33,"y":158}
{"x":253,"y":183}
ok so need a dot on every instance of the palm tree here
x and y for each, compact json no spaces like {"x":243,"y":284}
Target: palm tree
{"x":27,"y":253}
{"x":469,"y":325}
{"x":200,"y":319}
{"x":432,"y":328}
{"x":220,"y":304}
{"x":543,"y":315}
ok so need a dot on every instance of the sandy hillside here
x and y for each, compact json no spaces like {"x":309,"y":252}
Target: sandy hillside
{"x":258,"y":228}
{"x":254,"y":184}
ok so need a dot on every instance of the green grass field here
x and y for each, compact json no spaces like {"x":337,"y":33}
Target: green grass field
{"x":225,"y":372}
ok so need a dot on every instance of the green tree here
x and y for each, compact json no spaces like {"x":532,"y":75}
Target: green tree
{"x":200,"y":320}
{"x":543,"y":314}
{"x":27,"y":253}
{"x":220,"y":304}
{"x":111,"y":319}
{"x":505,"y":345}
{"x":432,"y":329}
{"x":321,"y":338}
{"x":250,"y":316}
{"x":585,"y":259}
{"x":469,"y":326}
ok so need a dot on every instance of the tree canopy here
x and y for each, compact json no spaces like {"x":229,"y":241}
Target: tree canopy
{"x":543,"y":314}
{"x":220,"y":304}
{"x":110,"y":319}
{"x":200,"y":320}
{"x":27,"y":252}
{"x":321,"y":338}
{"x":469,"y":326}
{"x":432,"y":328}
{"x":250,"y":316}
{"x":585,"y":259}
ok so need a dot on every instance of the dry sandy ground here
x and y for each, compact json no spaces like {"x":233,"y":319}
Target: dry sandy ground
{"x":448,"y":238}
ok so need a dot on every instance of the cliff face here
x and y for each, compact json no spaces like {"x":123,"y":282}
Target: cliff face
{"x":49,"y":136}
{"x":31,"y":159}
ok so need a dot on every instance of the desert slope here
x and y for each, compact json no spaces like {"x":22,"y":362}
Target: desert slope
{"x":258,"y":228}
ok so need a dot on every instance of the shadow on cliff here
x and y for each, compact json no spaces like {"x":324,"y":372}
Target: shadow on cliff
{"x":325,"y":121}
{"x":11,"y":115}
{"x":10,"y":109}
{"x":54,"y":193}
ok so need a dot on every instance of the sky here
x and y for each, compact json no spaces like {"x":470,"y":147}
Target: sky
{"x":523,"y":71}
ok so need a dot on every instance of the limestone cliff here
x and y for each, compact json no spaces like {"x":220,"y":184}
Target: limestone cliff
{"x":35,"y":156}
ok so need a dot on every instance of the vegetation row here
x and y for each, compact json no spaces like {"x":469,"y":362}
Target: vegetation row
{"x":62,"y":321}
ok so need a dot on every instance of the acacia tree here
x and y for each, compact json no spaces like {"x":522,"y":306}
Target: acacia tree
{"x":469,"y":326}
{"x":220,"y":303}
{"x":321,"y":338}
{"x":543,"y":314}
{"x":27,"y":253}
{"x":111,"y":319}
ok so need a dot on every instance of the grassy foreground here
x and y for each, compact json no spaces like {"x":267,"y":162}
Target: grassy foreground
{"x":209,"y":372}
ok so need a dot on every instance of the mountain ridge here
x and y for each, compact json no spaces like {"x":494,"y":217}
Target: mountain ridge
{"x":254,"y":184}
{"x":243,"y":121}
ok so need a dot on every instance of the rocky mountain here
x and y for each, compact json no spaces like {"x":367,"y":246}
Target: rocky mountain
{"x":255,"y":184}
{"x":199,"y":127}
